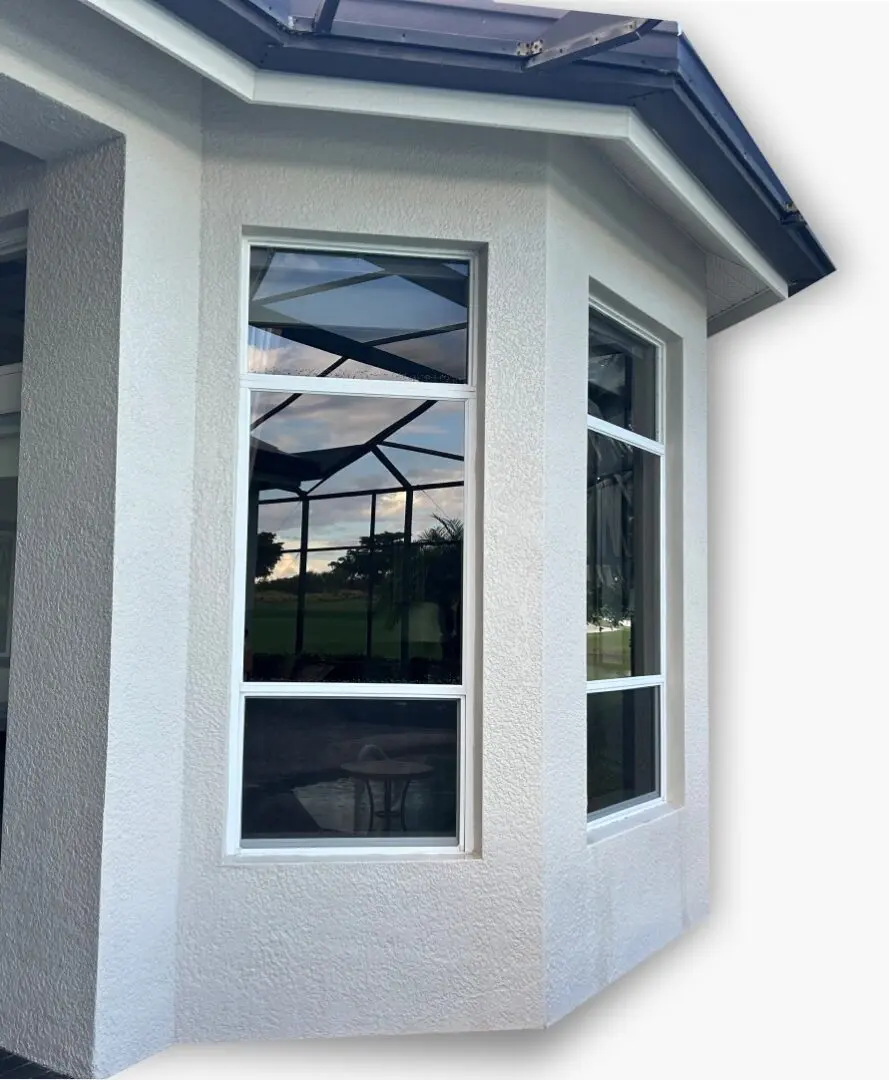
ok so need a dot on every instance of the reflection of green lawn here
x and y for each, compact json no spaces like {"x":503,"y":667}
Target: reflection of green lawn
{"x":338,"y":627}
{"x":608,"y":653}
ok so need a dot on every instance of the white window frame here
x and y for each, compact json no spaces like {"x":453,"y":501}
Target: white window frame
{"x":13,"y":240}
{"x":658,"y":447}
{"x":465,"y":843}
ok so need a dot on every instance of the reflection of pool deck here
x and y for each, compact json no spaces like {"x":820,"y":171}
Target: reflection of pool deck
{"x":301,"y":753}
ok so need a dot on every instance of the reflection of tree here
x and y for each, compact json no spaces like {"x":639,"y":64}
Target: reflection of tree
{"x":610,"y":535}
{"x":432,"y":572}
{"x":354,"y":568}
{"x":269,"y":550}
{"x":435,"y":569}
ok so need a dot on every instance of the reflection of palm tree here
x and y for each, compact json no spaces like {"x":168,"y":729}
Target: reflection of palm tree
{"x":441,"y":553}
{"x":432,"y":572}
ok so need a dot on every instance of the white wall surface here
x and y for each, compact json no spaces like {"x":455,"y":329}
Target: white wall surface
{"x":615,"y":895}
{"x":52,"y":845}
{"x":265,"y":946}
{"x":312,"y":948}
{"x":168,"y":940}
{"x":89,"y":881}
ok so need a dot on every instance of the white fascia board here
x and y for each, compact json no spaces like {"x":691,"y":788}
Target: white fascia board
{"x":181,"y":41}
{"x":572,"y":118}
{"x":699,"y":203}
{"x":466,"y":107}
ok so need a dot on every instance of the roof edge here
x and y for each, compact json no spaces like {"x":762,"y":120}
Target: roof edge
{"x":675,"y":98}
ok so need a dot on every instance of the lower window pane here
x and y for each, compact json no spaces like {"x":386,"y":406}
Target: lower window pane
{"x":622,"y":746}
{"x":339,"y":768}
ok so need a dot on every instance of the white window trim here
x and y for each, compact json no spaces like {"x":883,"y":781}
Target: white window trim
{"x":603,"y":821}
{"x":236,"y":850}
{"x":13,"y":241}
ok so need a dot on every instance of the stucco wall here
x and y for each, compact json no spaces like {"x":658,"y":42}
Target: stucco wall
{"x":311,"y":948}
{"x":130,"y":721}
{"x":265,"y":948}
{"x":89,"y":876}
{"x":58,"y":701}
{"x":615,"y":895}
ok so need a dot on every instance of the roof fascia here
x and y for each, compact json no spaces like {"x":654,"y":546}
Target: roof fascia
{"x":544,"y":115}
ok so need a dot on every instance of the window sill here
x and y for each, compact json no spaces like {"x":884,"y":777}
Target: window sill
{"x":357,"y":854}
{"x":623,"y":821}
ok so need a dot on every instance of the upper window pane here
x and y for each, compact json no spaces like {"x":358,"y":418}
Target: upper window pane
{"x":622,"y":385}
{"x":343,"y":316}
{"x":355,"y":543}
{"x":623,"y":560}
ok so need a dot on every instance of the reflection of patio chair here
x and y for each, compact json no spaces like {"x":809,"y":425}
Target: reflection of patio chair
{"x":368,"y":752}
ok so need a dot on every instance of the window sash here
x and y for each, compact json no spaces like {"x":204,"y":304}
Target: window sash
{"x":655,"y":447}
{"x":464,"y":692}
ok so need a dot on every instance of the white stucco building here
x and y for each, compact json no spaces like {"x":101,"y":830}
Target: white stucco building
{"x":353,"y":473}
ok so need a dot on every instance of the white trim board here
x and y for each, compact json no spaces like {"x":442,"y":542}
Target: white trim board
{"x":627,"y":140}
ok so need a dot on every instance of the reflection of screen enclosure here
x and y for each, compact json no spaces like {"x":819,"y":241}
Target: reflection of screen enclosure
{"x":358,"y":548}
{"x":356,"y":502}
{"x":355,"y":552}
{"x":624,"y":566}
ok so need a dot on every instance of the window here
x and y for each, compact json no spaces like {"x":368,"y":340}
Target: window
{"x":625,"y":617}
{"x":354,"y":674}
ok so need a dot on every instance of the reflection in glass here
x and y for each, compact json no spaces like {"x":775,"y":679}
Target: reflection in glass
{"x":623,"y":559}
{"x":622,"y":384}
{"x":355,"y":539}
{"x":622,"y":746}
{"x":358,"y":316}
{"x":338,"y":768}
{"x":13,"y":272}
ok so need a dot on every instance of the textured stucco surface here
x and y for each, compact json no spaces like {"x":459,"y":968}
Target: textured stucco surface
{"x":120,"y":918}
{"x":89,"y":878}
{"x":611,"y":900}
{"x":59,"y":678}
{"x":281,"y":950}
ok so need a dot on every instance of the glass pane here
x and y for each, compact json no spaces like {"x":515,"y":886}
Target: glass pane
{"x":12,"y":307}
{"x":622,"y":746}
{"x":334,"y":591}
{"x":358,"y":316}
{"x":623,"y":560}
{"x":622,"y":386}
{"x":338,"y":768}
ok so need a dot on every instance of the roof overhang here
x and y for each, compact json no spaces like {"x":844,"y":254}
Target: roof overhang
{"x":648,"y":103}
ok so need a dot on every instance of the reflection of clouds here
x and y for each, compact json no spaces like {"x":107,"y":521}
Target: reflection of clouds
{"x":291,"y":270}
{"x":323,"y":422}
{"x":326,"y":421}
{"x":334,"y":522}
{"x":442,"y":352}
{"x":369,"y":309}
{"x":269,"y":354}
{"x":386,"y":305}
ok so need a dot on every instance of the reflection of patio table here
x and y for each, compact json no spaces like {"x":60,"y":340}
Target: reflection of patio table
{"x":388,"y":772}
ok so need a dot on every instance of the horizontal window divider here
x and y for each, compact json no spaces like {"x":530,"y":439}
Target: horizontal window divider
{"x":352,"y":690}
{"x":624,"y":435}
{"x":313,"y":384}
{"x":355,"y":243}
{"x":631,"y":682}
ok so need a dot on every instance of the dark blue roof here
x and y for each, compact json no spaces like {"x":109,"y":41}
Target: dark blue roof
{"x":484,"y":46}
